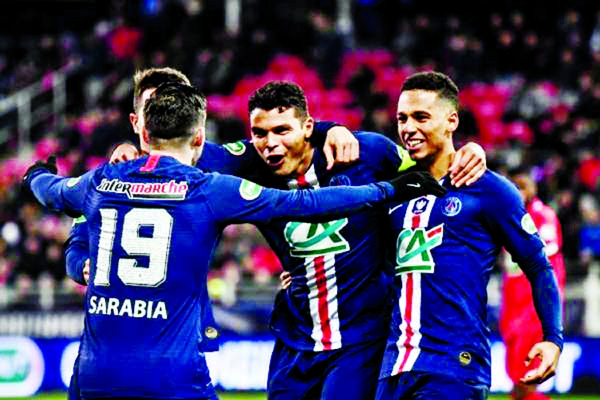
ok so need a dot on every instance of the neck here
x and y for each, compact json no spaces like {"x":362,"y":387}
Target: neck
{"x":304,"y":164}
{"x":184,"y":156}
{"x":440,"y":163}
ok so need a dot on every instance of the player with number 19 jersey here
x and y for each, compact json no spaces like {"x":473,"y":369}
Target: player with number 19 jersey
{"x":154,"y":224}
{"x":446,"y":249}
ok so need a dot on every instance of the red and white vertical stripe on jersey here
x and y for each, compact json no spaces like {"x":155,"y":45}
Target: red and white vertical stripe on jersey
{"x":410,"y":297}
{"x":322,"y":300}
{"x":322,"y":286}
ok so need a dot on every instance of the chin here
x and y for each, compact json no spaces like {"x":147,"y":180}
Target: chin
{"x":280,"y":172}
{"x":415,"y":155}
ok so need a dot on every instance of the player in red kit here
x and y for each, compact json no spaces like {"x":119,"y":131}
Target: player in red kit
{"x":517,"y":311}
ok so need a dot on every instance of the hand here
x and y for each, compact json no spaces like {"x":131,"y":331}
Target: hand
{"x":548,"y":353}
{"x":86,"y":271}
{"x":124,"y":152}
{"x":49,"y":165}
{"x":341,"y":147}
{"x":468,"y":165}
{"x":415,"y":184}
{"x":285,"y":278}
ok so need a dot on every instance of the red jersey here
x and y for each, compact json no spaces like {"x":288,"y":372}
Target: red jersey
{"x":517,"y":308}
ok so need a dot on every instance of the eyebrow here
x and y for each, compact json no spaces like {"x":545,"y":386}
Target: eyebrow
{"x":256,"y":130}
{"x":416,"y":113}
{"x":276,"y":128}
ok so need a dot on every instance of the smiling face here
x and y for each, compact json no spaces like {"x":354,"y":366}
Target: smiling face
{"x":426,"y":124}
{"x":281,"y":139}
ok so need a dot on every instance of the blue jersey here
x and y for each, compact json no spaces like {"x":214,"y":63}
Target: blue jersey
{"x":76,"y":250}
{"x":237,"y":158}
{"x":225,"y":159}
{"x":153,"y":226}
{"x":446,"y":249}
{"x":339,"y":293}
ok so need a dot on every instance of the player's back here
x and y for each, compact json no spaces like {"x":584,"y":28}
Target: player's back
{"x":151,"y":236}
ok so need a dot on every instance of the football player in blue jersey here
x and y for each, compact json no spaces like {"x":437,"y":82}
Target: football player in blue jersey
{"x":332,"y":322}
{"x":445,"y":250}
{"x":153,"y":225}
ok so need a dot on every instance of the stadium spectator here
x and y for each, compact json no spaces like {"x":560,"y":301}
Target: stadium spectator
{"x":445,"y":251}
{"x":517,"y":309}
{"x":589,"y":232}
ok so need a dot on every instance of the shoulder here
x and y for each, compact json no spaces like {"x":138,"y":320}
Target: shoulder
{"x":379,"y":150}
{"x":373,"y":139}
{"x":492,"y":179}
{"x":496,"y":188}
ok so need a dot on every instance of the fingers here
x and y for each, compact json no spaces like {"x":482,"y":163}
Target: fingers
{"x":548,"y":354}
{"x":466,"y":170}
{"x":285,"y":279}
{"x":468,"y":165}
{"x":468,"y":175}
{"x":538,"y":375}
{"x":86,"y":271}
{"x":340,"y":154}
{"x":354,"y":151}
{"x":329,"y":157}
{"x":341,"y":147}
{"x":124,"y":152}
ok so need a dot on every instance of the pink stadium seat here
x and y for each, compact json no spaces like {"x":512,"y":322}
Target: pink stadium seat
{"x":519,"y":130}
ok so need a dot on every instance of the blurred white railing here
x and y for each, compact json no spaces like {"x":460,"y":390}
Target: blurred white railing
{"x":31,"y":107}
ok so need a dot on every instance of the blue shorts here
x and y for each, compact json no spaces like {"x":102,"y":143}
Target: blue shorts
{"x":420,"y":385}
{"x":74,"y":393}
{"x":74,"y":384}
{"x":347,"y":373}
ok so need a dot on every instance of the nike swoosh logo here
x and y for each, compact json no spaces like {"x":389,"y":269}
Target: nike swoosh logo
{"x":417,"y":185}
{"x":391,"y":210}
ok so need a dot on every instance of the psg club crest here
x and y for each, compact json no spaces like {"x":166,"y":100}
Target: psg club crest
{"x":340,"y":180}
{"x":452,"y":206}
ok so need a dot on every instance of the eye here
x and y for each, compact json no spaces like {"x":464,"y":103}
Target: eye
{"x":258,"y":133}
{"x":421,"y":117}
{"x":281,"y":130}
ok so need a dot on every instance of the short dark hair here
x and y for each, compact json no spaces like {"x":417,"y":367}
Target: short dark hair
{"x":173,"y":111}
{"x":150,"y":78}
{"x":281,"y":95}
{"x":435,"y":82}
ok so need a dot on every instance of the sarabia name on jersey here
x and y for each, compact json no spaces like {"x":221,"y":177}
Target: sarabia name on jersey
{"x":127,"y":307}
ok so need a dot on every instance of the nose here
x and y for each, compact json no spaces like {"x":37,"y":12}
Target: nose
{"x":271,"y":140}
{"x":409,"y":126}
{"x":406,"y":129}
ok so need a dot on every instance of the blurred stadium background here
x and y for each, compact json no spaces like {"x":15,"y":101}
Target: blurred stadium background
{"x":530,"y":79}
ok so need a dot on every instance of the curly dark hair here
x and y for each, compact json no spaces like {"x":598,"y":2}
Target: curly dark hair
{"x":281,"y":95}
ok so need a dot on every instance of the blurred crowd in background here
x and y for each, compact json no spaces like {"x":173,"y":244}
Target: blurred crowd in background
{"x":529,"y":74}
